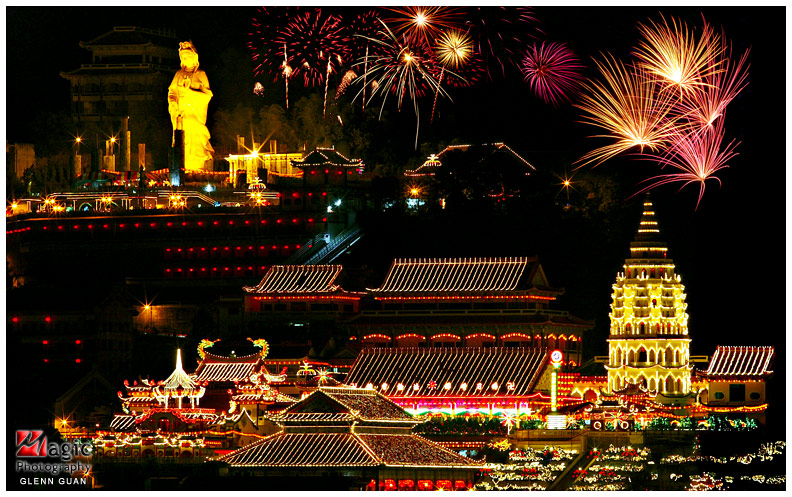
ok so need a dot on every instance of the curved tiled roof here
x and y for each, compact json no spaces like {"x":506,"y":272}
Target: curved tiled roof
{"x":740,"y":362}
{"x":298,"y":279}
{"x":304,"y":449}
{"x":478,"y":274}
{"x":449,"y":371}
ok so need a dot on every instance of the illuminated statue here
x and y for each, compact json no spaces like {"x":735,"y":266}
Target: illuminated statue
{"x":188,"y":100}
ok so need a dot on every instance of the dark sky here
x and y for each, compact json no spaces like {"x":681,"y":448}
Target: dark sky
{"x":730,"y":252}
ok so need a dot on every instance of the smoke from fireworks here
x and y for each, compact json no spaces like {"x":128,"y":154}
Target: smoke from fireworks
{"x":552,"y":71}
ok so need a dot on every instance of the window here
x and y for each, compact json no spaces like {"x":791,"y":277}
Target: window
{"x":754,"y":395}
{"x":719,"y":395}
{"x":737,"y":392}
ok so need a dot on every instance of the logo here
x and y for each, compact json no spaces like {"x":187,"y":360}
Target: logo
{"x":556,"y":356}
{"x":31,"y":443}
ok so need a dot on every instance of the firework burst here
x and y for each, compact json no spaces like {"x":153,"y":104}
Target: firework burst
{"x":315,"y":45}
{"x":628,"y":108}
{"x":708,"y":103}
{"x":453,"y":50}
{"x":395,"y":67}
{"x":676,"y":56}
{"x":499,"y":34}
{"x":552,"y":70}
{"x":423,"y":24}
{"x":697,"y":157}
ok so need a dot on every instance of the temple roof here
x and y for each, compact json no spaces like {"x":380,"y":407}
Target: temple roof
{"x":298,"y":280}
{"x":123,"y":423}
{"x":220,"y":368}
{"x":538,"y":318}
{"x":484,"y":154}
{"x":132,"y":35}
{"x":730,"y":362}
{"x":463,"y":275}
{"x":463,"y":371}
{"x":358,"y":403}
{"x":326,"y":157}
{"x":179,"y":379}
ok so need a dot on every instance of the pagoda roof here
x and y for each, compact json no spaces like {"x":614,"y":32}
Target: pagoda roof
{"x":302,"y":279}
{"x":221,"y":368}
{"x":476,"y":275}
{"x":432,"y":369}
{"x":123,"y":423}
{"x":133,"y":35}
{"x":648,"y":229}
{"x":361,"y":404}
{"x":323,"y":157}
{"x":740,"y":362}
{"x":345,"y":450}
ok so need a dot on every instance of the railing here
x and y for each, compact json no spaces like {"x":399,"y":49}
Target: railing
{"x":466,"y":311}
{"x":341,"y":242}
{"x":312,"y":245}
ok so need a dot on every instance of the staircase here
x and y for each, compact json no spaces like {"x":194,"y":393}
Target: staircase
{"x":336,"y":246}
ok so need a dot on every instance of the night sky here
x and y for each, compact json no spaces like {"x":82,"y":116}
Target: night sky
{"x":730,"y":251}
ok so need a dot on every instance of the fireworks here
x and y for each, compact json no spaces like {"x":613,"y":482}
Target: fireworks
{"x":453,"y":50}
{"x":315,"y":44}
{"x":675,"y":55}
{"x":499,"y":33}
{"x":626,"y":106}
{"x":698,"y":156}
{"x":349,"y":76}
{"x":682,"y":130}
{"x":709,"y":102}
{"x":552,"y":70}
{"x":422,"y":24}
{"x":399,"y":68}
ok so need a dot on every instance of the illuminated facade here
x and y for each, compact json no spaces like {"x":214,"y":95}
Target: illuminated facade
{"x":649,"y":345}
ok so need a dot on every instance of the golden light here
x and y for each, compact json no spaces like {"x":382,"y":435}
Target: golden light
{"x":146,"y":307}
{"x":407,"y":57}
{"x":414,"y":191}
{"x":112,"y":139}
{"x":14,"y":205}
{"x":78,"y":140}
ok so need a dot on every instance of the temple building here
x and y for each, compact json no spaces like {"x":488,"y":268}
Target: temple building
{"x":458,"y":381}
{"x":122,"y":89}
{"x":735,"y":377}
{"x":224,"y":404}
{"x":470,"y":302}
{"x":649,"y":343}
{"x":342,"y":438}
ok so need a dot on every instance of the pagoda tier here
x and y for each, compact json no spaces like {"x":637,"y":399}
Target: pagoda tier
{"x":649,"y":341}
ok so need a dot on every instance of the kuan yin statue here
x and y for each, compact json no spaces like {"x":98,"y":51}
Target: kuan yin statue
{"x":188,"y":101}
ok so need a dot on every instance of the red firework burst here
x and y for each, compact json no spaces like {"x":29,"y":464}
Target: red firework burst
{"x":315,"y":45}
{"x":552,"y":70}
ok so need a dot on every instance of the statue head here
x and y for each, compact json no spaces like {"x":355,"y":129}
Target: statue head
{"x":188,"y":56}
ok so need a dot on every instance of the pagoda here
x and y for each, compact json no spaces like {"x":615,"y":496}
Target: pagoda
{"x":649,"y":346}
